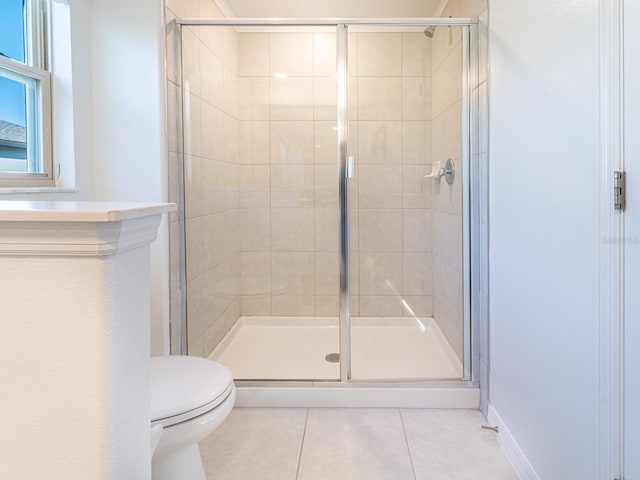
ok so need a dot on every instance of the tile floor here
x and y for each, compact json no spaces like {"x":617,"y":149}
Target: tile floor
{"x":352,"y":444}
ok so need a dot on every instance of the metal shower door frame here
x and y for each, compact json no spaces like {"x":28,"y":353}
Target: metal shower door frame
{"x":344,"y":174}
{"x":345,"y":161}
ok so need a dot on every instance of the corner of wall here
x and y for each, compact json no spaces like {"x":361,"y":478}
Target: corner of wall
{"x":512,"y":450}
{"x":126,"y":135}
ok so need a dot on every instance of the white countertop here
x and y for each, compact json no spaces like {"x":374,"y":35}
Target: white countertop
{"x":24,"y":211}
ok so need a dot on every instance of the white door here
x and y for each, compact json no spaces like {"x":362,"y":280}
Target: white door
{"x":632,"y":236}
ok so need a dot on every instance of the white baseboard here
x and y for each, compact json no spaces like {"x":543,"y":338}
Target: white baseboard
{"x":511,"y":448}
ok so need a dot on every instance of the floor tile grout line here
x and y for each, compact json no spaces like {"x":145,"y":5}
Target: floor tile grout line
{"x":406,"y":440}
{"x":304,"y":434}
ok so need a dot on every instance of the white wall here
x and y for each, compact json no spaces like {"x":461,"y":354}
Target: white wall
{"x":119,"y":133}
{"x":544,"y":232}
{"x":75,"y":364}
{"x":128,"y":133}
{"x":632,"y":233}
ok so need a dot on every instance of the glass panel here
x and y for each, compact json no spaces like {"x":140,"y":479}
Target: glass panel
{"x":13,"y":124}
{"x":262,"y":200}
{"x":406,"y":235}
{"x":12,"y":29}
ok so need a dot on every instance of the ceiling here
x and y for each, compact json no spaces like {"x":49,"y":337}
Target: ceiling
{"x":332,"y":8}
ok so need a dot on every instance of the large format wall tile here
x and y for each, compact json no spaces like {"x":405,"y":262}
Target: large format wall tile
{"x":253,"y":55}
{"x":447,"y":199}
{"x":255,"y":280}
{"x":380,"y":230}
{"x":292,"y":143}
{"x":291,"y":54}
{"x":325,"y":91}
{"x":280,"y":168}
{"x":254,"y":98}
{"x":324,"y":54}
{"x":212,"y":77}
{"x":292,"y":229}
{"x":254,"y":143}
{"x":292,"y":186}
{"x":291,"y":98}
{"x":379,"y":54}
{"x":379,"y":142}
{"x":416,"y":55}
{"x":379,"y":98}
{"x":207,"y":91}
{"x":380,"y":186}
{"x":380,"y":273}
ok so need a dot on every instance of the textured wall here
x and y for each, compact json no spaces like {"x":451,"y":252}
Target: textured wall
{"x":75,"y":369}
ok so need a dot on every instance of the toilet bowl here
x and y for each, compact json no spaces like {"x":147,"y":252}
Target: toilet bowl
{"x":190,"y":398}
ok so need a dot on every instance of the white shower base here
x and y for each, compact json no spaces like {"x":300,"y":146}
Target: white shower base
{"x":294,"y":348}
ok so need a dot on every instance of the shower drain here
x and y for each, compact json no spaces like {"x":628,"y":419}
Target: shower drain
{"x":332,"y":357}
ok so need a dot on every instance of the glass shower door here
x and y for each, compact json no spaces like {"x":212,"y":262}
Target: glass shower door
{"x":261,"y":195}
{"x":313,"y":155}
{"x":406,"y":234}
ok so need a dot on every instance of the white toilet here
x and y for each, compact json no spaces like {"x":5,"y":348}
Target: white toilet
{"x":190,"y":398}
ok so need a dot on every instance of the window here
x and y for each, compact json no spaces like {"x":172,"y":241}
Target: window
{"x":25,"y":94}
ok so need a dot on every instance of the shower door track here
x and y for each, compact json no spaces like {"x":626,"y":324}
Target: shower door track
{"x":362,"y":394}
{"x":327,"y":22}
{"x":345,"y":168}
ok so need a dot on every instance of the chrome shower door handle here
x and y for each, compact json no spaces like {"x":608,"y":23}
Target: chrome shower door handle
{"x":350,"y":166}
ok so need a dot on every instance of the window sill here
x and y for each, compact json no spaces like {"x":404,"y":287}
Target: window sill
{"x":4,"y":190}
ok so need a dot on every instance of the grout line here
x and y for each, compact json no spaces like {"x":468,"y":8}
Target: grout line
{"x":270,"y":166}
{"x":304,"y":434}
{"x":314,"y":169}
{"x":402,"y":168}
{"x":404,"y":431}
{"x":358,"y":247}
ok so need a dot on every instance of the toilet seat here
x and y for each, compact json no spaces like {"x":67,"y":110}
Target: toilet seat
{"x":183,"y":417}
{"x":185,"y":387}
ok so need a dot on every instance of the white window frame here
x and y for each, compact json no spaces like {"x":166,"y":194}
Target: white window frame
{"x":39,"y":115}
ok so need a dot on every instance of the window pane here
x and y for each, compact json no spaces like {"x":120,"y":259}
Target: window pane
{"x":19,"y":151}
{"x":12,"y":29}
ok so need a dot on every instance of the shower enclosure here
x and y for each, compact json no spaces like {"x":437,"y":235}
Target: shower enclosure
{"x":323,"y":171}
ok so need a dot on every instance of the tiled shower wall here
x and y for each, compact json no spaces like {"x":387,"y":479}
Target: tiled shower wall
{"x":390,"y":91}
{"x":206,"y":159}
{"x":260,"y":174}
{"x":289,"y":230}
{"x":288,"y":197}
{"x":447,"y":199}
{"x":447,"y":143}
